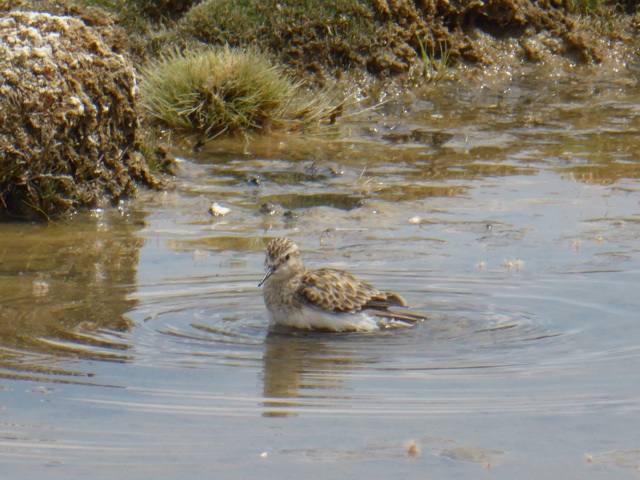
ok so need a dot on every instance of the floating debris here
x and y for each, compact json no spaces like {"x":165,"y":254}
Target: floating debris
{"x":412,"y":448}
{"x":576,"y":244}
{"x":516,"y":264}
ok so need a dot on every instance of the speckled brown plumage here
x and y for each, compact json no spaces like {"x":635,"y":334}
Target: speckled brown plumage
{"x":335,"y":290}
{"x":325,"y":299}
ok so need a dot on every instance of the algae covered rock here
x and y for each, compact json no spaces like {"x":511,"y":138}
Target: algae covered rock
{"x":69,"y":124}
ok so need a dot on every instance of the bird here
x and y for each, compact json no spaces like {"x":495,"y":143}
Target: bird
{"x":325,"y":299}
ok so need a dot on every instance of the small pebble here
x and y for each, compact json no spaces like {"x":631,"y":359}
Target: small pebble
{"x":218,"y":210}
{"x":268,"y":208}
{"x":40,"y":287}
{"x":254,"y":180}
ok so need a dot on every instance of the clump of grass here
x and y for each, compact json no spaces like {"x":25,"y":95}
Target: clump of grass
{"x":220,"y":89}
{"x":435,"y":68}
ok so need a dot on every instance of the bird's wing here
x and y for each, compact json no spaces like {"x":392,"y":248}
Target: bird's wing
{"x":338,"y":291}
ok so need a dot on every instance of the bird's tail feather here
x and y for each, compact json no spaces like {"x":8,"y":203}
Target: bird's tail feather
{"x":395,"y":319}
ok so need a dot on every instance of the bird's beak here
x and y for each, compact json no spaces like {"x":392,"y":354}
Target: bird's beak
{"x":270,"y":272}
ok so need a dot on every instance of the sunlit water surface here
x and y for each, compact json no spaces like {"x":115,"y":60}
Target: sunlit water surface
{"x":134,"y":342}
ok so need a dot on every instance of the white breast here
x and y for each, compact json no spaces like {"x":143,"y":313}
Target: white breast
{"x":309,"y":318}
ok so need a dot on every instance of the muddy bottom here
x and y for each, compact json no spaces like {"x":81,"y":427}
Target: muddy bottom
{"x":134,"y":342}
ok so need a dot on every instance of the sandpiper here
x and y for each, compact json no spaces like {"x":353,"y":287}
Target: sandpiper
{"x":325,"y":299}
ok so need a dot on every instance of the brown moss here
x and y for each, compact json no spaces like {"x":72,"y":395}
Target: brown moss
{"x":455,"y":23}
{"x":103,"y":22}
{"x":387,"y":37}
{"x":69,"y":128}
{"x":314,"y":36}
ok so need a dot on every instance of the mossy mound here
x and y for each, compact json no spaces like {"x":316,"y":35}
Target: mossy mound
{"x":312,"y":36}
{"x":69,"y":127}
{"x":388,"y":37}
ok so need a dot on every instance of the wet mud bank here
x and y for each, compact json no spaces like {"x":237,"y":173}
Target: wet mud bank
{"x":387,"y":38}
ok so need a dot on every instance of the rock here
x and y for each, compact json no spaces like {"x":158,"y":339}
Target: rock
{"x":218,"y":210}
{"x":268,"y":208}
{"x":69,"y":124}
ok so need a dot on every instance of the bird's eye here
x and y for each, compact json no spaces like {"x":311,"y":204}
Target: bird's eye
{"x":286,"y":257}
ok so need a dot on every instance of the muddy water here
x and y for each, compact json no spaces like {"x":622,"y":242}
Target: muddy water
{"x":134,"y":341}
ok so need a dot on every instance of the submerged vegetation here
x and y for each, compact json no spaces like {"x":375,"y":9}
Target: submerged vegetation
{"x":220,"y":89}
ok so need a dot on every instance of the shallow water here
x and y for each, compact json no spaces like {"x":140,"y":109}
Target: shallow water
{"x":133,"y":342}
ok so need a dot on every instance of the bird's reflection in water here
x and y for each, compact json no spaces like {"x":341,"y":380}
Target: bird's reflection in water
{"x":302,"y":368}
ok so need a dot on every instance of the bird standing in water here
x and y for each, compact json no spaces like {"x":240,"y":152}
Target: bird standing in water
{"x":325,"y":299}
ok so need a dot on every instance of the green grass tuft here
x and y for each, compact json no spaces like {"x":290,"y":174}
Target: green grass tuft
{"x":434,"y":68}
{"x":221,"y":90}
